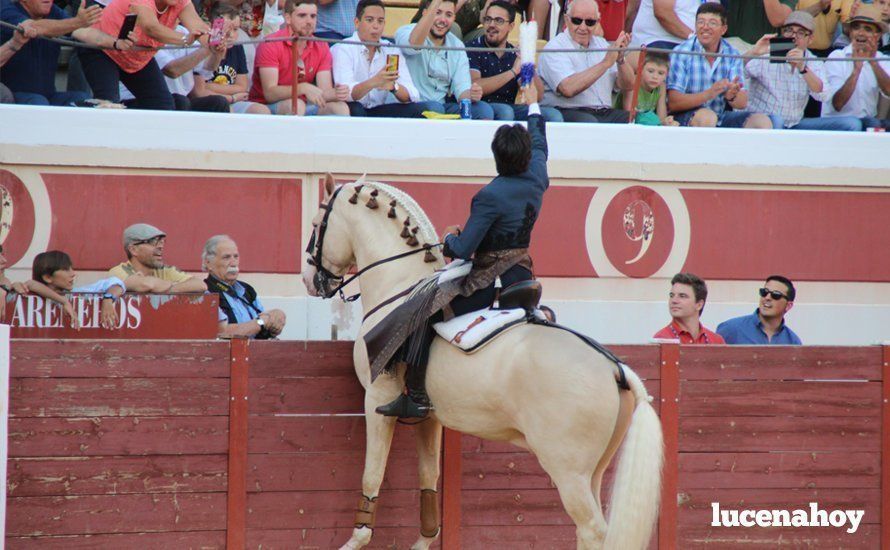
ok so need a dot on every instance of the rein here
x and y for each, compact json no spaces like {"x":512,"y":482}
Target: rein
{"x":323,"y":276}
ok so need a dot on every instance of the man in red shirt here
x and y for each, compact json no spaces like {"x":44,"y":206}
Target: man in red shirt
{"x":687,"y":301}
{"x":273,"y":74}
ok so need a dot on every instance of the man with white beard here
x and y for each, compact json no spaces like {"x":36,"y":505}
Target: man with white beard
{"x":240,"y":312}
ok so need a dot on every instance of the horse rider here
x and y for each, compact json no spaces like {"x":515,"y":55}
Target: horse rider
{"x":495,"y":237}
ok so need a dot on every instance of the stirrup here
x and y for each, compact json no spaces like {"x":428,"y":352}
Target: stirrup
{"x":410,"y":405}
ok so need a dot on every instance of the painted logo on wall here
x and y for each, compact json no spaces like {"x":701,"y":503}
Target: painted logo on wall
{"x":636,"y":231}
{"x":18,"y":213}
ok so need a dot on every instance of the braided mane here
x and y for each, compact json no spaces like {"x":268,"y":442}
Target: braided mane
{"x":427,"y":233}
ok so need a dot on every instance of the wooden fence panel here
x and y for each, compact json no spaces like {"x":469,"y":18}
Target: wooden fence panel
{"x":117,"y":444}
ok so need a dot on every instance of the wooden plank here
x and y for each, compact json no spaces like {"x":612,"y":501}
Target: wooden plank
{"x":326,"y":471}
{"x":32,"y":516}
{"x":670,"y":414}
{"x":118,"y":359}
{"x":731,"y":538}
{"x":452,"y":490}
{"x":236,"y":499}
{"x":328,"y":509}
{"x":532,"y":537}
{"x":116,"y":475}
{"x":775,"y":398}
{"x":644,"y":360}
{"x":516,"y":507}
{"x":780,"y":470}
{"x":885,"y":447}
{"x":518,"y":470}
{"x":313,"y":539}
{"x":318,"y":434}
{"x":766,"y":434}
{"x":289,"y":359}
{"x":697,"y":511}
{"x":780,"y":363}
{"x":88,"y":397}
{"x":176,"y":540}
{"x":47,"y":437}
{"x":311,"y":395}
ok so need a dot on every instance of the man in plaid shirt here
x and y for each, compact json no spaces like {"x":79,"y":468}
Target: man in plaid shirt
{"x":700,"y":87}
{"x":782,"y":89}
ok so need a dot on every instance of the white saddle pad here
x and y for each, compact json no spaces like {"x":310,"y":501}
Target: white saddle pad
{"x":472,"y":330}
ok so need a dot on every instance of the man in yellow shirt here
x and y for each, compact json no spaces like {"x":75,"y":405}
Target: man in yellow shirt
{"x":144,"y":271}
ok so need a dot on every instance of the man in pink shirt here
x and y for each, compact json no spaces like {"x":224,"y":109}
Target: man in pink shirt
{"x":273,"y":74}
{"x":687,"y":301}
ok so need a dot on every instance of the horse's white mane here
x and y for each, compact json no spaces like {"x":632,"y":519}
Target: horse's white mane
{"x":409,"y":205}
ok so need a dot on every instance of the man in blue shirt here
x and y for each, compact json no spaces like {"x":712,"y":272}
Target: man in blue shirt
{"x":31,"y":71}
{"x":240,"y":312}
{"x":497,"y":73}
{"x":767,"y":324}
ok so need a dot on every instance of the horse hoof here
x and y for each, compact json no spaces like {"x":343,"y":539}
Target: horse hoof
{"x":423,"y":543}
{"x":360,"y":538}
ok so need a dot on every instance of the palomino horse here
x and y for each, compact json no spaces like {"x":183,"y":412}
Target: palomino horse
{"x":538,"y":387}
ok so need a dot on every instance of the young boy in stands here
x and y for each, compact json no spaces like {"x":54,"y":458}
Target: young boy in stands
{"x":652,"y":97}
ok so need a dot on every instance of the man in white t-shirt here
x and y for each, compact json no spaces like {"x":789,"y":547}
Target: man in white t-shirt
{"x":855,"y":88}
{"x":580,"y":86}
{"x":664,"y":23}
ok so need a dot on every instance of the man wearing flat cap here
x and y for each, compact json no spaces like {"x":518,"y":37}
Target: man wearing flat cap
{"x":782,"y":89}
{"x":144,"y":270}
{"x":855,"y":88}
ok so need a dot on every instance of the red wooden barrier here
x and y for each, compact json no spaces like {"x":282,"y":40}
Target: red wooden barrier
{"x":118,"y":444}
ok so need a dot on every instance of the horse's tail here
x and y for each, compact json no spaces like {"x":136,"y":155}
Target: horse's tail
{"x":636,"y":490}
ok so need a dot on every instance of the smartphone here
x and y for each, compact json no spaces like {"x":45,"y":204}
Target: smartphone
{"x":217,"y":31}
{"x":127,"y":27}
{"x":392,"y":63}
{"x":779,"y":47}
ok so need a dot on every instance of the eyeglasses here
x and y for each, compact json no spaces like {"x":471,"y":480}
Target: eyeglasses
{"x":588,"y":22}
{"x":774,"y":294}
{"x":796,"y":33}
{"x":155,"y":241}
{"x":496,"y":20}
{"x":711,"y":23}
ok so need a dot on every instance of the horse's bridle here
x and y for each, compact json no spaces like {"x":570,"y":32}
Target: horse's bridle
{"x":324,"y":277}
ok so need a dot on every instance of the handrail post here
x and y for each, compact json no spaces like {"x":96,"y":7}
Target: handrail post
{"x":295,"y":74}
{"x":638,"y":79}
{"x":451,"y":490}
{"x":885,"y":446}
{"x":236,"y":500}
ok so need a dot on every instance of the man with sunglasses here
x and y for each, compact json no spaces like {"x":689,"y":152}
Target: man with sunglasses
{"x":580,"y":84}
{"x":856,"y":88}
{"x":497,"y":72}
{"x":767,"y":324}
{"x":144,"y":270}
{"x":783,"y":89}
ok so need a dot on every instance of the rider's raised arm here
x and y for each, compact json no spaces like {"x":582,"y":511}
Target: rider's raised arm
{"x":483,"y":212}
{"x":537,"y":129}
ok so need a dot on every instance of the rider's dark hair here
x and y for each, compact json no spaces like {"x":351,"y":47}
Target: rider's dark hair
{"x":785,"y":281}
{"x":699,"y":288}
{"x":47,"y":263}
{"x":512,"y":148}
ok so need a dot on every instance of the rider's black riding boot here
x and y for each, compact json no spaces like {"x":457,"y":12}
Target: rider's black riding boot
{"x":413,"y":404}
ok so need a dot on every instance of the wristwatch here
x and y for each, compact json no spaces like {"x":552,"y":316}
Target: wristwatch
{"x":395,"y":88}
{"x":260,"y":322}
{"x":109,"y":296}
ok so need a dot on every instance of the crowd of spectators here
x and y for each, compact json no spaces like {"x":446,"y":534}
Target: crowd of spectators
{"x":241,"y":314}
{"x":578,"y":81}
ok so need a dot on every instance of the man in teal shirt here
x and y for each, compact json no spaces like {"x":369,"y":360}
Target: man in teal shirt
{"x":441,"y":76}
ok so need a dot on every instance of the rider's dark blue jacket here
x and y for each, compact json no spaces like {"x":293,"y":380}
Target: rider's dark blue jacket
{"x":504,"y":212}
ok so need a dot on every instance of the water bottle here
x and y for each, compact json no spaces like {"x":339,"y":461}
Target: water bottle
{"x":466,"y":109}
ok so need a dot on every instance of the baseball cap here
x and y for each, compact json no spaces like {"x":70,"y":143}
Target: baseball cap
{"x":801,"y":19}
{"x":141,"y":232}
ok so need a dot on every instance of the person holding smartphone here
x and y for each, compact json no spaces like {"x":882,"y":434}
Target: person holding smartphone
{"x":783,"y":89}
{"x":138,"y":70}
{"x":379,"y":83}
